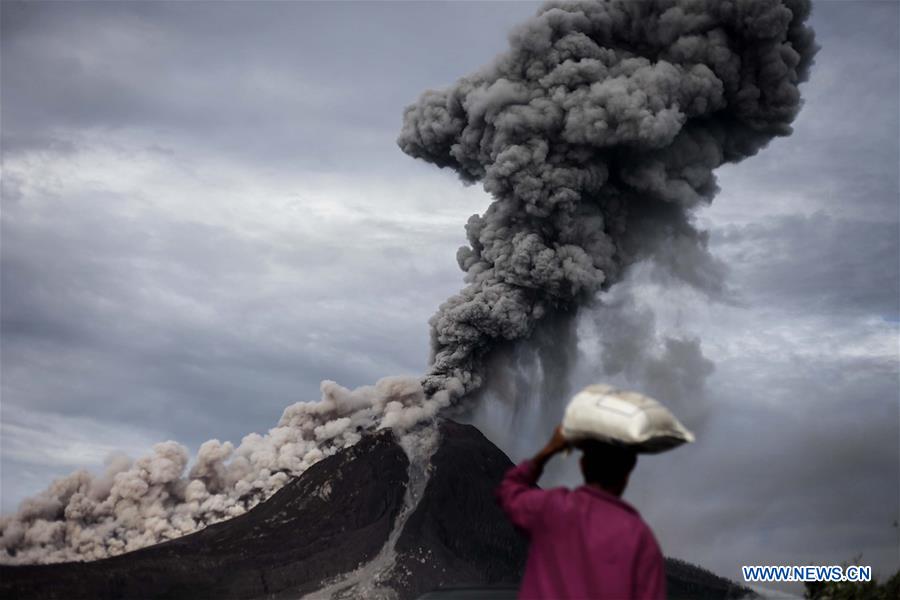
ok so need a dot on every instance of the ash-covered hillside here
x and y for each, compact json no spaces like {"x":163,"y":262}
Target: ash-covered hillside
{"x":351,"y":526}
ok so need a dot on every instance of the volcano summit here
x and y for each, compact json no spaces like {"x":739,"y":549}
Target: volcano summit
{"x":346,"y":528}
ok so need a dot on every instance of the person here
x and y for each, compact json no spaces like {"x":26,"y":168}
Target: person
{"x":585,"y":543}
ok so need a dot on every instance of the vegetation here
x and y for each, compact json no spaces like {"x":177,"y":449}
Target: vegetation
{"x":850,"y":590}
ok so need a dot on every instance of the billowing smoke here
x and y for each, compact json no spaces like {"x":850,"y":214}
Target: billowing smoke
{"x":633,"y":350}
{"x":596,"y":134}
{"x":156,"y":498}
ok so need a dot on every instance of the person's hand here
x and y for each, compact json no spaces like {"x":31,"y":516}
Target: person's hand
{"x":557,"y":442}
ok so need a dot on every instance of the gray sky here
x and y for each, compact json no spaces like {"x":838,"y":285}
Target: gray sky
{"x":205,"y":214}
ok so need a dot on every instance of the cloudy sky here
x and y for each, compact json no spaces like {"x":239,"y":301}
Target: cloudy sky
{"x":205,"y":214}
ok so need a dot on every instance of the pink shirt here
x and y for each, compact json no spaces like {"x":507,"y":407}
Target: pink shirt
{"x":585,"y":543}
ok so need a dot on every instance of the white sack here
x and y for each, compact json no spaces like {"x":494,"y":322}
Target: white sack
{"x":608,"y":414}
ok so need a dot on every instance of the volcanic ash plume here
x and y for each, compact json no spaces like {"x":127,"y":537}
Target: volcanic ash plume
{"x":82,"y":517}
{"x":596,"y":133}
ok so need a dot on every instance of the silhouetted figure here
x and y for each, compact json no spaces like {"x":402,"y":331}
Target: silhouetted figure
{"x":586,"y":542}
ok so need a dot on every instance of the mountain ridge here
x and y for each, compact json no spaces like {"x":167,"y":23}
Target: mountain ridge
{"x":325,"y":527}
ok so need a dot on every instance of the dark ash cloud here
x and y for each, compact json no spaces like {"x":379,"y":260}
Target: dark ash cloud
{"x":597,"y":134}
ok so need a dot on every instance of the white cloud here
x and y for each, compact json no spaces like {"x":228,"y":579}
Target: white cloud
{"x":58,"y":440}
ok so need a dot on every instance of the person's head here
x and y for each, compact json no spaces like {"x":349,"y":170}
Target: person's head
{"x":606,"y":465}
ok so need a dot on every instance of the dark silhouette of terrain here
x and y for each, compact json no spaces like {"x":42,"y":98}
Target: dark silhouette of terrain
{"x":333,"y":518}
{"x":301,"y":535}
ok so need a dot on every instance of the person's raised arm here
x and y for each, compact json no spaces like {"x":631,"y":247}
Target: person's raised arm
{"x":518,"y":495}
{"x":556,"y":445}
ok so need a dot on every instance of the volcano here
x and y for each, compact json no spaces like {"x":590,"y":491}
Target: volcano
{"x":359,"y":523}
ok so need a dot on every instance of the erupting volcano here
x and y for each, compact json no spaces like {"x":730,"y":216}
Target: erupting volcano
{"x":596,"y":134}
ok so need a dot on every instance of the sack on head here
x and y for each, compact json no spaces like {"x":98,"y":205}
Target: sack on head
{"x":605,"y":413}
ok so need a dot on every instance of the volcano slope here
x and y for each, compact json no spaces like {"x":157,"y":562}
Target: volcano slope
{"x":334,"y":518}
